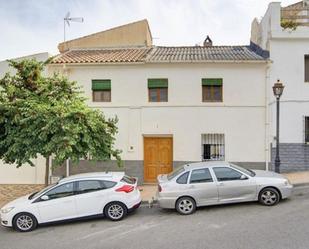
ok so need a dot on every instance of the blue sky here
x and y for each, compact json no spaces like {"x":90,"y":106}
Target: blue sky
{"x":32,"y":26}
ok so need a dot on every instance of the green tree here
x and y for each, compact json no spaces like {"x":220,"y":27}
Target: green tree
{"x":48,"y":116}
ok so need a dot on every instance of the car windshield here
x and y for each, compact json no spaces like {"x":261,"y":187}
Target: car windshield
{"x":175,"y":172}
{"x":37,"y":194}
{"x":243,"y":170}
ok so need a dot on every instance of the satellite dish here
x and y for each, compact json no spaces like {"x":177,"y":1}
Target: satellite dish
{"x":67,"y":19}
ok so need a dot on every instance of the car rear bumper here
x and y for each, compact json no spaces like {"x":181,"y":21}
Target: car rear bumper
{"x":136,"y":206}
{"x":134,"y":201}
{"x":166,"y":202}
{"x":286,"y":191}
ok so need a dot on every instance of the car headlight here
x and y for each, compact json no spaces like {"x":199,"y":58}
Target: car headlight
{"x":287,"y":182}
{"x":6,"y":210}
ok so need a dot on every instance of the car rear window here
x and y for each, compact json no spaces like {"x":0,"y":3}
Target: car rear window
{"x":176,"y":172}
{"x":109,"y":184}
{"x":183,"y":178}
{"x":128,"y":179}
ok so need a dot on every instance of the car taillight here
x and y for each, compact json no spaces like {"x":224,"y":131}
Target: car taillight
{"x":159,"y":188}
{"x":125,"y":188}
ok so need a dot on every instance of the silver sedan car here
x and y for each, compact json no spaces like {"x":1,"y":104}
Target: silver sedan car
{"x":212,"y":183}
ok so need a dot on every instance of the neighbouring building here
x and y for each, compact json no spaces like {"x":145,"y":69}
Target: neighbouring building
{"x":26,"y":174}
{"x":284,"y":32}
{"x":174,"y":104}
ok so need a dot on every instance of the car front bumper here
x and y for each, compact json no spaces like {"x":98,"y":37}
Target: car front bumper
{"x":6,"y":219}
{"x":286,"y":191}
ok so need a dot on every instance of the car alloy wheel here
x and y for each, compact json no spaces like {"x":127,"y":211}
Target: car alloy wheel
{"x":269,"y":197}
{"x":24,"y":222}
{"x":186,"y":205}
{"x":115,"y":211}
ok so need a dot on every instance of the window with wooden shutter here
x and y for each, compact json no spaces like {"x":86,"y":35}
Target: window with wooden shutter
{"x":212,"y":90}
{"x":158,"y":90}
{"x":101,"y":90}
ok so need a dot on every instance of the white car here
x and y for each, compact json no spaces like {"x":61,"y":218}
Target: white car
{"x":112,"y":194}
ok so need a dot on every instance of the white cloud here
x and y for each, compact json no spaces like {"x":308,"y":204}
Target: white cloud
{"x":37,"y":26}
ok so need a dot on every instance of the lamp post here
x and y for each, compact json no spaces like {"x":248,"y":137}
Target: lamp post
{"x":278,"y":90}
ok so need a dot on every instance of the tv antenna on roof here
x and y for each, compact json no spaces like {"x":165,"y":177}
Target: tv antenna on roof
{"x":67,"y":19}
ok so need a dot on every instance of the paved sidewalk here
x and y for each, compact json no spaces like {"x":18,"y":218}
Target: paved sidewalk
{"x":148,"y":192}
{"x":298,"y":178}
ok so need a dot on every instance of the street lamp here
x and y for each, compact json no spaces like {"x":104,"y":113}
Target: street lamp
{"x":278,"y":90}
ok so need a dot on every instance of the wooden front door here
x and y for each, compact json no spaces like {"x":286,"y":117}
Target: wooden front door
{"x":158,"y":157}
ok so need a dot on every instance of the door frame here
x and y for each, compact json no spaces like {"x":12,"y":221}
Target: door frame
{"x":145,"y":136}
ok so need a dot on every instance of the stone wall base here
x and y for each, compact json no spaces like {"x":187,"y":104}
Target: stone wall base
{"x":9,"y":192}
{"x":293,"y":156}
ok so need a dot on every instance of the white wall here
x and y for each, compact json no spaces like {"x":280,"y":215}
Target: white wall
{"x":4,"y":65}
{"x":26,"y":174}
{"x":9,"y":173}
{"x":241,"y":116}
{"x":288,"y":66}
{"x":287,"y":49}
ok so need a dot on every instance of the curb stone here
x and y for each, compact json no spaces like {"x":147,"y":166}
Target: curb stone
{"x":304,"y":184}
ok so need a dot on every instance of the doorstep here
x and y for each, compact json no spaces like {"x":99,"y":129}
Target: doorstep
{"x":148,"y":192}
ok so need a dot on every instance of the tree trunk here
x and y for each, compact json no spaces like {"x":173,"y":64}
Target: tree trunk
{"x":47,"y":171}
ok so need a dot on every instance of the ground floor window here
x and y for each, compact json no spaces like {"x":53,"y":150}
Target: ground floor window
{"x":213,"y":147}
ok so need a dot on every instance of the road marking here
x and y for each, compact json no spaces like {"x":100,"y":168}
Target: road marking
{"x":101,"y":232}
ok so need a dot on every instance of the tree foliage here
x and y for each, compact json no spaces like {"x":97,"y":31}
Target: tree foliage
{"x":49,"y":116}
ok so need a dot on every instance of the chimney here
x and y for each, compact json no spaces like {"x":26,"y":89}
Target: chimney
{"x":207,"y":42}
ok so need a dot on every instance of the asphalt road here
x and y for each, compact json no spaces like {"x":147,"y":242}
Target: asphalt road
{"x":238,"y":226}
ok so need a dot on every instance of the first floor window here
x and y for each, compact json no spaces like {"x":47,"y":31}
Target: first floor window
{"x":213,"y":147}
{"x":158,"y":90}
{"x":212,"y":90}
{"x":101,"y":90}
{"x":306,"y":129}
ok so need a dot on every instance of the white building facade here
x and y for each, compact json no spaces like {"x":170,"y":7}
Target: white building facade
{"x":186,"y":124}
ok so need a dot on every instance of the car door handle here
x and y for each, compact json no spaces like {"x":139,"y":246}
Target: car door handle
{"x":191,"y":186}
{"x":220,"y":184}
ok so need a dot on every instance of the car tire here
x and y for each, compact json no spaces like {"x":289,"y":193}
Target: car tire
{"x":24,"y":222}
{"x":115,"y":211}
{"x":269,"y":197}
{"x":185,"y":205}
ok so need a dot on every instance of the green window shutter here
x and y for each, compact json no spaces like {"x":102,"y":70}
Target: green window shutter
{"x":157,"y":83}
{"x":212,"y":82}
{"x":99,"y":85}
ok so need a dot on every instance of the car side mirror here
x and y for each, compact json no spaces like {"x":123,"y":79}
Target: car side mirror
{"x":243,"y":177}
{"x":44,"y":198}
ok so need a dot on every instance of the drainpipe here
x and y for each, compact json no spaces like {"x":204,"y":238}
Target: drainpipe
{"x":50,"y":161}
{"x":67,"y":165}
{"x":267,"y":125}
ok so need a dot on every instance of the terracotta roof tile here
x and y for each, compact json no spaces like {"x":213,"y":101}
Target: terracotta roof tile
{"x":160,"y":54}
{"x":102,"y":56}
{"x":198,"y":53}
